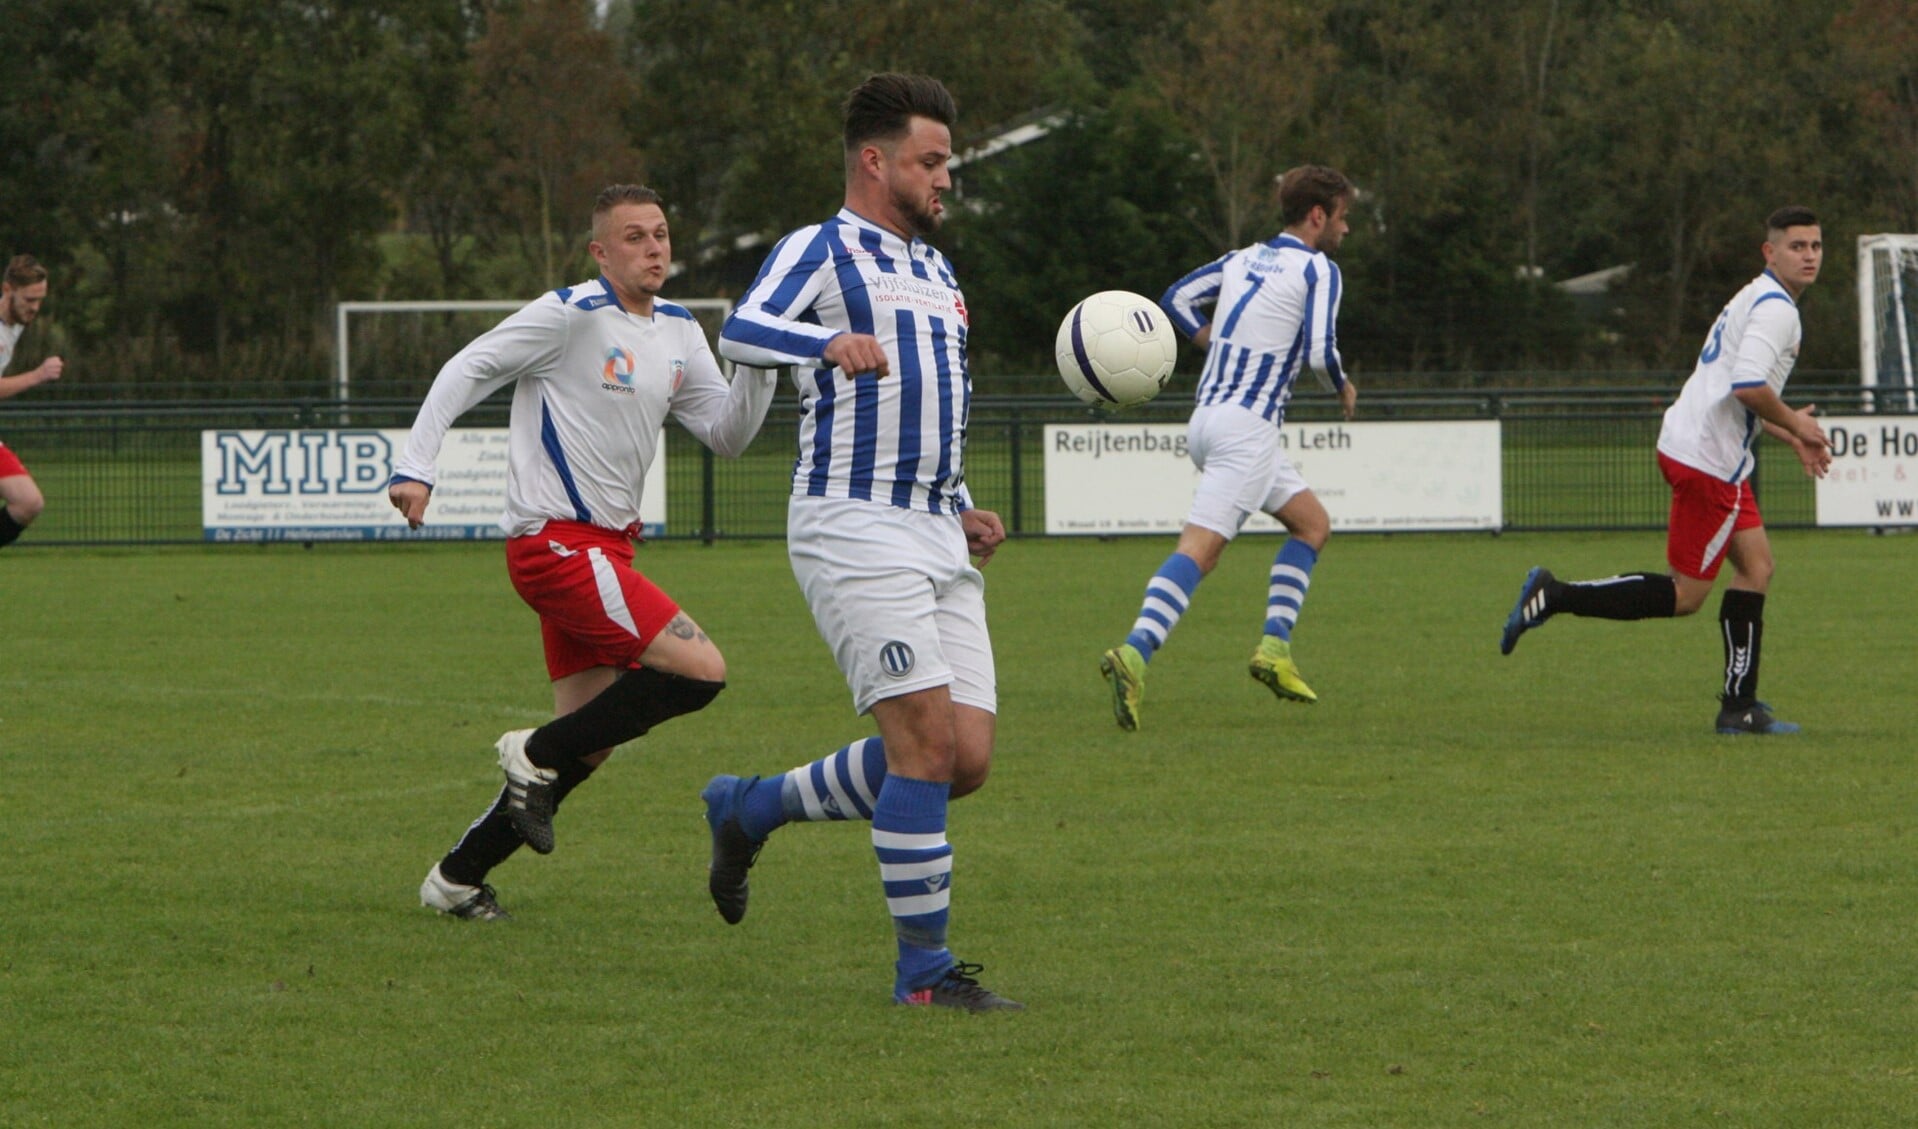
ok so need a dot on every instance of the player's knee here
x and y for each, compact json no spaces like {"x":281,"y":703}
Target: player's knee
{"x":27,"y":507}
{"x":707,"y":665}
{"x":967,"y":779}
{"x":923,"y":757}
{"x":1688,"y":600}
{"x":1755,"y":575}
{"x":690,"y":695}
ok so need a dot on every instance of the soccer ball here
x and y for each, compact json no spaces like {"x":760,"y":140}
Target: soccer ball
{"x":1116,"y":348}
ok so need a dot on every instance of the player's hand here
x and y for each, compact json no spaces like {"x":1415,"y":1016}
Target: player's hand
{"x":410,"y":499}
{"x":1816,"y":460}
{"x":1349,"y":399}
{"x":1809,"y":432}
{"x":984,"y":532}
{"x":1816,"y":457}
{"x":50,"y":369}
{"x":856,"y":354}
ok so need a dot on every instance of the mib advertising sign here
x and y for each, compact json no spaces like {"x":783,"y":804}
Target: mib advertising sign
{"x":1136,"y":478}
{"x":330,"y":485}
{"x":1874,"y":471}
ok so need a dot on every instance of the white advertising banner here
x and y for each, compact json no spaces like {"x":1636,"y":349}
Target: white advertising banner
{"x":1107,"y":478}
{"x":1874,"y":471}
{"x":330,"y":485}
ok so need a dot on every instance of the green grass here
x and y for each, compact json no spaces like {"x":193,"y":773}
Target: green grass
{"x":1462,"y":890}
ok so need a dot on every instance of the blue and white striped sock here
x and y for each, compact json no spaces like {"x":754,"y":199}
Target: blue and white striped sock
{"x":1167,"y":595}
{"x":1291,"y":576}
{"x":842,"y":785}
{"x":915,"y":863}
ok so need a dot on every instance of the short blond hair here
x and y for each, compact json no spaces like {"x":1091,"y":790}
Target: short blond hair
{"x":24,"y":270}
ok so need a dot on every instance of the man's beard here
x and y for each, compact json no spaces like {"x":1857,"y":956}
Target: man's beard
{"x":921,"y":219}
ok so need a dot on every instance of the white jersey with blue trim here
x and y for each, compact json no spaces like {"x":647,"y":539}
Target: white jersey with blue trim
{"x":9,"y":337}
{"x":1276,"y":308}
{"x":1754,"y":342}
{"x":897,"y":439}
{"x":595,"y":385}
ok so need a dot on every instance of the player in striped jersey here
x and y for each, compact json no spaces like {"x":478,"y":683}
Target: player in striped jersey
{"x":1705,"y":453}
{"x":597,"y":368}
{"x":880,"y":527}
{"x":1277,"y":306}
{"x":23,"y":287}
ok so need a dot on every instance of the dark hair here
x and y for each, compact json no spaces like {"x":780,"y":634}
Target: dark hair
{"x":1311,"y":186}
{"x":613,"y":195}
{"x":882,"y":107}
{"x":24,"y":270}
{"x":1790,"y":216}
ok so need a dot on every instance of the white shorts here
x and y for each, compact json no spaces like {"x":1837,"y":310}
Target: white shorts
{"x":895,"y":596}
{"x":1242,"y":468}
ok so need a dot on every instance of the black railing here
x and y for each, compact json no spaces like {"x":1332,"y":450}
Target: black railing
{"x":129,"y":473}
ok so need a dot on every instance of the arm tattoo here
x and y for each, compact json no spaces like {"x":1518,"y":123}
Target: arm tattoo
{"x":683,"y":628}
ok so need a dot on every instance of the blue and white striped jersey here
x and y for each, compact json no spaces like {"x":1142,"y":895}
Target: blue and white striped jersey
{"x":595,"y":385}
{"x":1754,"y":342}
{"x":1277,"y":307}
{"x":898,"y":439}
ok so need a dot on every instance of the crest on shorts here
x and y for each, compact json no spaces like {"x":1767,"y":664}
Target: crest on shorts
{"x":896,"y":658}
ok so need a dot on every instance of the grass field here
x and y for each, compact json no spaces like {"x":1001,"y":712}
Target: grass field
{"x":1462,"y":890}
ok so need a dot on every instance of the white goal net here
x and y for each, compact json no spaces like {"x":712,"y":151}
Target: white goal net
{"x":1888,"y":319}
{"x":392,"y":350}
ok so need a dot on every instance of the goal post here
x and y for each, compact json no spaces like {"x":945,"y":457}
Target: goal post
{"x":1888,"y":320}
{"x":461,"y":323}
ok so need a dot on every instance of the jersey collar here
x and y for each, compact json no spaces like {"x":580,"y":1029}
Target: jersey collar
{"x":1782,"y":288}
{"x":1287,"y":239}
{"x":886,"y":235}
{"x":612,"y":294}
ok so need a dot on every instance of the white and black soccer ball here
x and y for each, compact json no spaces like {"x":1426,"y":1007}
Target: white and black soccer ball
{"x":1116,"y":349}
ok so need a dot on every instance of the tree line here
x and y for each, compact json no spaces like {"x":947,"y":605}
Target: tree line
{"x":206,"y":179}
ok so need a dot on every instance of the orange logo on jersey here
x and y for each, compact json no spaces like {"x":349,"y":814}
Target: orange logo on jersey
{"x":616,"y":375}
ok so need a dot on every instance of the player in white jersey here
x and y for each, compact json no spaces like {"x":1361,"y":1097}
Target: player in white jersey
{"x":1275,"y":314}
{"x":597,"y":369}
{"x":23,"y":287}
{"x":880,"y":527}
{"x":1705,"y":453}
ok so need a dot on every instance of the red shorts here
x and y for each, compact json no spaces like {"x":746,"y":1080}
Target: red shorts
{"x":10,"y":464}
{"x":1706,"y":511}
{"x":594,"y":609}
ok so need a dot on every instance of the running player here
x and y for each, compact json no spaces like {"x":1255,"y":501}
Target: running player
{"x":23,"y":287}
{"x":598,"y":368}
{"x":1705,"y":452}
{"x":879,"y":527}
{"x":1279,"y":305}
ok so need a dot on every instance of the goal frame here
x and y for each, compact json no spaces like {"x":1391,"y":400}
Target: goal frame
{"x":1870,"y":342}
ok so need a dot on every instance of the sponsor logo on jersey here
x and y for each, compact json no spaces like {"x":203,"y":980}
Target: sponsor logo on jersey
{"x":616,"y":375}
{"x":896,"y":658}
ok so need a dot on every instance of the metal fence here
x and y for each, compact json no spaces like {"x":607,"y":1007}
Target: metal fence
{"x":129,"y":473}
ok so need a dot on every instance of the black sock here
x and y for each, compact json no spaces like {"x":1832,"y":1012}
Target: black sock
{"x":10,"y":529}
{"x":491,"y":840}
{"x":632,"y":705}
{"x":1635,"y":595}
{"x":1741,"y":618}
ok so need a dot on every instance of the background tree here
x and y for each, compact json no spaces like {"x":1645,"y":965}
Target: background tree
{"x":549,"y":86}
{"x":1242,"y":78}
